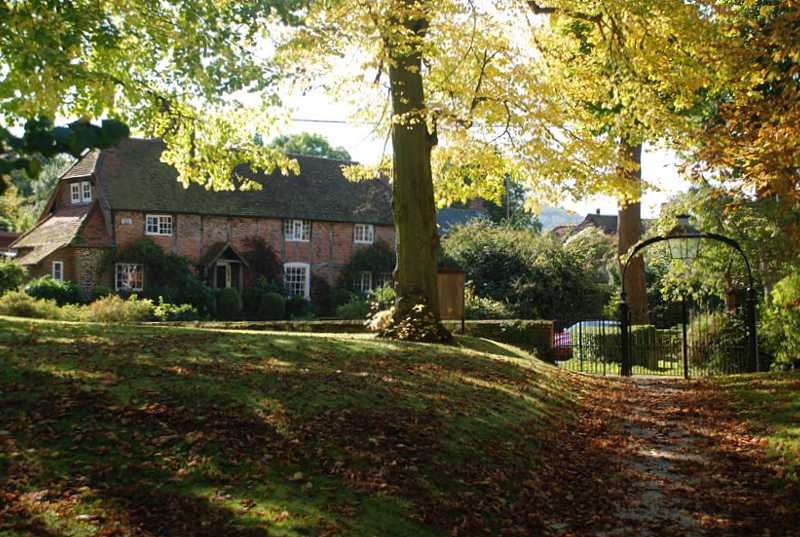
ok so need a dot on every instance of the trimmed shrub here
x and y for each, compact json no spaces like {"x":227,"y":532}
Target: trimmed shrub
{"x":165,"y":311}
{"x":529,"y":335}
{"x":272,"y":307}
{"x":99,"y":291}
{"x":63,"y":292}
{"x":113,"y":308}
{"x":12,"y":275}
{"x":21,"y":304}
{"x":605,"y":345}
{"x":357,"y":308}
{"x":229,"y":303}
{"x":298,"y":307}
{"x":340,"y":296}
{"x":321,"y":295}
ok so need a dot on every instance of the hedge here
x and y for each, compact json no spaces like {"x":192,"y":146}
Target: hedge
{"x":534,"y":336}
{"x":605,"y":345}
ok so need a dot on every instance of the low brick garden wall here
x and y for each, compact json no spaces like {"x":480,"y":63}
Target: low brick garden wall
{"x":534,"y":336}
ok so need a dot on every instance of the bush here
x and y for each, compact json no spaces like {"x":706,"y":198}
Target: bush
{"x":377,"y":258}
{"x":21,"y":304}
{"x":272,"y":307}
{"x":321,"y":295}
{"x":357,"y":308}
{"x":298,"y":307}
{"x":484,"y":308}
{"x":113,"y":308}
{"x":341,"y":296}
{"x":12,"y":275}
{"x":381,"y":298}
{"x":229,"y":303}
{"x":165,"y":311}
{"x":782,"y":323}
{"x":99,"y":291}
{"x":62,"y":292}
{"x":718,"y":341}
{"x":420,"y":324}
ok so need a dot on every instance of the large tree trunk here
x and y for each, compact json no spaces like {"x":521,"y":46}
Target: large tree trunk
{"x":413,"y":202}
{"x":629,"y":232}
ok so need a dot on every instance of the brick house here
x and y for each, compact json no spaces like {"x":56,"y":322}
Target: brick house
{"x":314,"y":221}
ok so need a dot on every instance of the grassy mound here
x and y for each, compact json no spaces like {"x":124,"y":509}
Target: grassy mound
{"x":129,"y":430}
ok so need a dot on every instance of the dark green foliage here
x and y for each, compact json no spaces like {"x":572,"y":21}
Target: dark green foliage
{"x":262,"y":260}
{"x":99,"y":291}
{"x":534,"y":275}
{"x":272,"y":307}
{"x":533,"y":336}
{"x":298,"y":307}
{"x":378,"y":258}
{"x":40,"y":139}
{"x":356,"y":308}
{"x":484,"y":308}
{"x":229,"y":303}
{"x":63,"y":292}
{"x":321,"y":295}
{"x":12,"y":275}
{"x":169,"y":276}
{"x":718,"y":341}
{"x":604,"y":344}
{"x":341,"y":296}
{"x":381,"y":298}
{"x":252,"y":297}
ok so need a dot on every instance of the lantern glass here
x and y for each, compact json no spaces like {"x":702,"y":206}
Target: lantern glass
{"x":685,"y":248}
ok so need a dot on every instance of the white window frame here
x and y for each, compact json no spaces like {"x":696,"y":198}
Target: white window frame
{"x":297,"y":230}
{"x":59,"y":275}
{"x":86,"y":191}
{"x":363,"y":283}
{"x":75,"y":193}
{"x":162,"y":225}
{"x":363,"y":233}
{"x":129,"y":267}
{"x":306,"y":283}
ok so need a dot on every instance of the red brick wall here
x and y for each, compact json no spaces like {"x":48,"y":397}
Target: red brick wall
{"x":94,"y":230}
{"x":330,"y":248}
{"x":45,"y":266}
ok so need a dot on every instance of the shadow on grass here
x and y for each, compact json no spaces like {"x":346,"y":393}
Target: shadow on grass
{"x":193,"y":432}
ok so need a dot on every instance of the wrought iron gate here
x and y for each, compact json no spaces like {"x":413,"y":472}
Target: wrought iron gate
{"x":706,"y":341}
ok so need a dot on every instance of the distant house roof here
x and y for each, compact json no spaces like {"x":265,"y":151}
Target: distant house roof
{"x":6,"y":238}
{"x":56,"y":230}
{"x":449,"y":217}
{"x":132,"y":177}
{"x":607,"y":223}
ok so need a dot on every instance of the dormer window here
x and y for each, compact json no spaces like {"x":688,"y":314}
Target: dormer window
{"x":80,"y":192}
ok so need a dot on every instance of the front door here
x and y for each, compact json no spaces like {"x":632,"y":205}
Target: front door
{"x":224,"y":275}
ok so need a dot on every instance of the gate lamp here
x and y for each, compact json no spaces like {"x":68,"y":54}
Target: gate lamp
{"x":684,"y":240}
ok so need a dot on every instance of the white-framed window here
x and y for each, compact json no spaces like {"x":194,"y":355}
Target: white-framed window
{"x":158,"y":224}
{"x":86,"y":191}
{"x":363,"y":233}
{"x":296,"y":230}
{"x":128,"y":277}
{"x":363,"y":282}
{"x":75,"y":193}
{"x":382,"y":279}
{"x":297,"y":279}
{"x":80,"y":192}
{"x":57,"y":271}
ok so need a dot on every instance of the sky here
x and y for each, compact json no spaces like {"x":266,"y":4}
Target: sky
{"x":315,"y":112}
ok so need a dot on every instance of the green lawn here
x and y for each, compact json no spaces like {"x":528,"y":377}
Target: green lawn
{"x":771,"y":404}
{"x":129,"y":430}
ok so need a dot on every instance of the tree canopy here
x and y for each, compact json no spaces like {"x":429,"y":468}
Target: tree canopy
{"x":309,"y":143}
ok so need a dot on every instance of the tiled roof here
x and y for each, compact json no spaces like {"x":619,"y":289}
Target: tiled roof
{"x":448,"y":217}
{"x":133,"y":177}
{"x":57,"y":230}
{"x":84,"y":167}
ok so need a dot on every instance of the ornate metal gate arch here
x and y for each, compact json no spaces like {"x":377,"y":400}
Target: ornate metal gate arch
{"x":684,"y":236}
